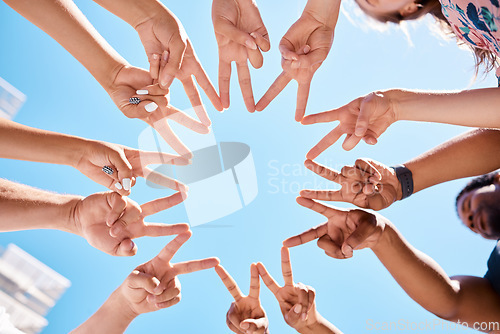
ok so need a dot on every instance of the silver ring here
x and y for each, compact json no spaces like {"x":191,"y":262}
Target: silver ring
{"x":134,"y":100}
{"x":108,"y":170}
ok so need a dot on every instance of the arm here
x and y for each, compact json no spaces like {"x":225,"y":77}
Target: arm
{"x":163,"y":36}
{"x":475,"y":108}
{"x":463,"y":298}
{"x":63,"y":21}
{"x":152,"y":286}
{"x":22,"y":142}
{"x":473,"y":153}
{"x":371,"y":184}
{"x":113,"y":317}
{"x":26,"y":208}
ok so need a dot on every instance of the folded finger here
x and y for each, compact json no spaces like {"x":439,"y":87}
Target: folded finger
{"x":125,"y":248}
{"x":262,"y":40}
{"x":117,"y":205}
{"x":331,"y":248}
{"x":141,"y":280}
{"x":255,"y":57}
{"x":154,"y":65}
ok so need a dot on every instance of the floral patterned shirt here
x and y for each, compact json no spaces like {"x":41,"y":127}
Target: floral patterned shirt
{"x":476,"y":23}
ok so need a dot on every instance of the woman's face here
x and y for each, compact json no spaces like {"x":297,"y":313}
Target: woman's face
{"x":404,"y":7}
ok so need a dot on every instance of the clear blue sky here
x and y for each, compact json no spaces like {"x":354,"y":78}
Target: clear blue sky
{"x":63,"y":97}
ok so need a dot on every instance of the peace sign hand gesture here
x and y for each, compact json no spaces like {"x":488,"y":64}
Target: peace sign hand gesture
{"x":109,"y":221}
{"x":154,"y":284}
{"x":296,"y":300}
{"x":368,"y":184}
{"x":344,"y":231}
{"x":246,"y":315}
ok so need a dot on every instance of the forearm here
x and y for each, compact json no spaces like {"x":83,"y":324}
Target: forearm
{"x":474,"y":108}
{"x":325,"y":11}
{"x":473,"y":153}
{"x":27,"y":208}
{"x":110,"y":318}
{"x":419,"y":275}
{"x":322,"y":326}
{"x":134,"y":12}
{"x":22,"y":142}
{"x":65,"y":23}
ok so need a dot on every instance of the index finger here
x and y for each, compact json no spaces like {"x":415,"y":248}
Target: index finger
{"x":269,"y":281}
{"x":188,"y":267}
{"x":161,"y":204}
{"x":254,"y":282}
{"x":286,"y":266}
{"x":302,"y":97}
{"x":321,"y":208}
{"x":307,"y":236}
{"x":246,"y":85}
{"x":229,"y":282}
{"x":277,"y":86}
{"x":168,"y":252}
{"x":324,"y":171}
{"x":325,"y":142}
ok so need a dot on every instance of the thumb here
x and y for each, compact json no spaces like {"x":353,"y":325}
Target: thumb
{"x":126,"y":248}
{"x":358,"y":237}
{"x":254,"y":325}
{"x":230,"y":31}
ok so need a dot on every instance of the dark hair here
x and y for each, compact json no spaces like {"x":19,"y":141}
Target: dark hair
{"x":476,"y":183}
{"x":433,"y":7}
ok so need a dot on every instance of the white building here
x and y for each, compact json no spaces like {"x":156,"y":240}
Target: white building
{"x":28,"y":290}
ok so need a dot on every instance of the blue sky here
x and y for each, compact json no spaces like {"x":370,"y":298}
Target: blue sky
{"x":62,"y":96}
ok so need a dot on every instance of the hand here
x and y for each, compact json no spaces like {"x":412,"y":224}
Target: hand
{"x":246,"y":315}
{"x":127,"y":164}
{"x":365,"y":118}
{"x":154,"y":285}
{"x":368,"y":184}
{"x":296,"y":300}
{"x":303,"y":48}
{"x":109,"y":221}
{"x":171,"y":55}
{"x":344,"y":231}
{"x":154,"y":107}
{"x":240,"y":35}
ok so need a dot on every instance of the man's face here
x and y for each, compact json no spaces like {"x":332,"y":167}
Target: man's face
{"x":479,"y":210}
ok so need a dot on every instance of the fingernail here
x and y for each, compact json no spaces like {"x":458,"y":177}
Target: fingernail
{"x":142,"y":92}
{"x":244,"y":325}
{"x":156,"y":56}
{"x":253,"y":35}
{"x":158,"y":290}
{"x":307,"y":48}
{"x":118,"y":186}
{"x":304,"y":316}
{"x":127,"y":184}
{"x":165,"y":55}
{"x":347,"y":250}
{"x":251,"y":45}
{"x":297,"y":308}
{"x":150,"y":107}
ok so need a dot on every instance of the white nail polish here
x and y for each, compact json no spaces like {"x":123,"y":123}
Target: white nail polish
{"x":150,"y":107}
{"x":142,"y":92}
{"x":118,"y":186}
{"x":127,"y":184}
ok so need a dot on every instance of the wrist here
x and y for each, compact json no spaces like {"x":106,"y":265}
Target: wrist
{"x":404,"y":177}
{"x":386,"y":239}
{"x":66,"y":221}
{"x":145,"y":11}
{"x":119,"y":307}
{"x":324,"y":11}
